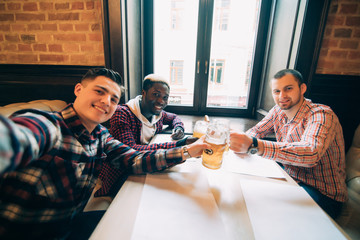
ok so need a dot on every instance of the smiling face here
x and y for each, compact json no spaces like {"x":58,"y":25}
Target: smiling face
{"x":96,"y":100}
{"x":155,"y":99}
{"x":287,"y":93}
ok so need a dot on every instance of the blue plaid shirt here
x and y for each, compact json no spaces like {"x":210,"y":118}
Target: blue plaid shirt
{"x":49,"y":164}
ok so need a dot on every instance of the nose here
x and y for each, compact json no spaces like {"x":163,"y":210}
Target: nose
{"x":282,"y":94}
{"x":106,"y":99}
{"x":160,"y":101}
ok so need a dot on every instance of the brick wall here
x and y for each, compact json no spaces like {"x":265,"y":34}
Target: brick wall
{"x":340,"y":49}
{"x":61,"y":32}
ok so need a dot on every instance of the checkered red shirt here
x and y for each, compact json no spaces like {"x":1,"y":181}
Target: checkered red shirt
{"x":49,"y":164}
{"x":310,"y":146}
{"x":126,"y":127}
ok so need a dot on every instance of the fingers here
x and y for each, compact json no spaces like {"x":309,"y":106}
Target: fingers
{"x":177,"y":134}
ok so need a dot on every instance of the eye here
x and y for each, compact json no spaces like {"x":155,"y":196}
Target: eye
{"x":156,"y":94}
{"x":98,"y":91}
{"x":166,"y":98}
{"x":114,"y":100}
{"x":276,"y":92}
{"x":289,"y":88}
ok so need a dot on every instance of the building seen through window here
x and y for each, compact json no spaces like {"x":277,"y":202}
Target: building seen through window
{"x":181,"y":50}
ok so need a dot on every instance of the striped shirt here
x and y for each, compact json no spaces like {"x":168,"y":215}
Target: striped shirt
{"x":310,"y":146}
{"x":126,"y":128}
{"x":49,"y":164}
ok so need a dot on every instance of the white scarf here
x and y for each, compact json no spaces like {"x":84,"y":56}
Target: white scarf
{"x":148,"y":128}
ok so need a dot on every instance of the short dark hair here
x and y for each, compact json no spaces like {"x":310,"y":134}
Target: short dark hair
{"x":151,"y":79}
{"x":293,"y":72}
{"x":95,"y":72}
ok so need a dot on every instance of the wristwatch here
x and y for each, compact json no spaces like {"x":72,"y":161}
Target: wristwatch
{"x":253,"y":149}
{"x":186,"y":152}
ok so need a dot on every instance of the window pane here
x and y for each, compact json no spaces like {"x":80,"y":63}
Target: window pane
{"x":232,"y":46}
{"x":174,"y":54}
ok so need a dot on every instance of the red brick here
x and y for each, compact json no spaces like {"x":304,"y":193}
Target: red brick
{"x":353,"y":21}
{"x":323,"y":53}
{"x":2,"y":57}
{"x":49,"y":26}
{"x":46,"y":6}
{"x":71,"y":47}
{"x":18,"y":27}
{"x":28,"y":37}
{"x":333,"y":8}
{"x":23,"y":58}
{"x":40,"y":47}
{"x":325,"y":64}
{"x":96,"y":27}
{"x":62,"y":6}
{"x":66,"y":27}
{"x":338,"y":54}
{"x":10,"y":47}
{"x":349,"y":44}
{"x":335,"y":20}
{"x":34,"y":27}
{"x":348,"y":65}
{"x":77,"y":6}
{"x":90,"y":5}
{"x":12,"y":38}
{"x":357,"y":33}
{"x":7,"y":17}
{"x":55,"y":48}
{"x":1,"y":38}
{"x":13,"y":6}
{"x":2,"y":6}
{"x":353,"y":55}
{"x":70,"y":37}
{"x":32,"y":6}
{"x":24,"y":48}
{"x":328,"y":31}
{"x":87,"y":48}
{"x":30,"y":17}
{"x":5,"y":27}
{"x":44,"y":37}
{"x":95,"y":37}
{"x":88,"y":16}
{"x":51,"y":58}
{"x":348,"y":8}
{"x":329,"y":43}
{"x":82,"y":27}
{"x":63,"y":16}
{"x":342,"y":33}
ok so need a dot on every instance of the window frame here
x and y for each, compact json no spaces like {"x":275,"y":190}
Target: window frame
{"x":201,"y":79}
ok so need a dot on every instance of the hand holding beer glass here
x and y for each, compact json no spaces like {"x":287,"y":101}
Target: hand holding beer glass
{"x":217,"y":135}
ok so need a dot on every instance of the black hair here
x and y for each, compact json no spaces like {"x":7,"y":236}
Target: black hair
{"x":111,"y":74}
{"x":293,"y":72}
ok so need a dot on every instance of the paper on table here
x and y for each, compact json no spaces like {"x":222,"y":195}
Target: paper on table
{"x":178,"y":206}
{"x":289,"y":214}
{"x":251,"y":164}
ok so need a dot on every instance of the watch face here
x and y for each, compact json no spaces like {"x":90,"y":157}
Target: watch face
{"x":253,"y":150}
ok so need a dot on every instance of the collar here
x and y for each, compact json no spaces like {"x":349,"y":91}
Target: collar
{"x":73,"y":122}
{"x":302,"y":110}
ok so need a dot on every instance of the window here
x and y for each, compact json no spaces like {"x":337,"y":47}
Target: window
{"x":176,"y":72}
{"x":209,"y":33}
{"x":221,"y":15}
{"x":176,"y":14}
{"x":216,"y":70}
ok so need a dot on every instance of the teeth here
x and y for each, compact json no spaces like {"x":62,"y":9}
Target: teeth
{"x":100,"y":109}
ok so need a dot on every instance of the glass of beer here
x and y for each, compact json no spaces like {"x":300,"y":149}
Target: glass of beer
{"x":216,"y":137}
{"x":200,"y":129}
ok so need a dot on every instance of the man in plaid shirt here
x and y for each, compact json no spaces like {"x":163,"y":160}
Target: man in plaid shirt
{"x":136,"y":123}
{"x":310,"y":143}
{"x":50,"y":161}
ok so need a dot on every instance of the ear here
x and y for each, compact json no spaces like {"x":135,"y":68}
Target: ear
{"x":78,"y":88}
{"x":143,"y":92}
{"x":303,"y":88}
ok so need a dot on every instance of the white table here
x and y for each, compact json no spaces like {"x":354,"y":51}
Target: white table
{"x":249,"y":206}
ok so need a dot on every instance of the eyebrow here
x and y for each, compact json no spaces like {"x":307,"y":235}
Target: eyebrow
{"x":106,"y":90}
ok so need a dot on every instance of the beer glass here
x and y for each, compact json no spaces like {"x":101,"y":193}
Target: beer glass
{"x":217,"y":137}
{"x":200,"y":128}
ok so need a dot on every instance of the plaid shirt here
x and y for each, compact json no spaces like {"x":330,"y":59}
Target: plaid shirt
{"x":310,"y":146}
{"x":126,"y":127}
{"x":49,"y":164}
